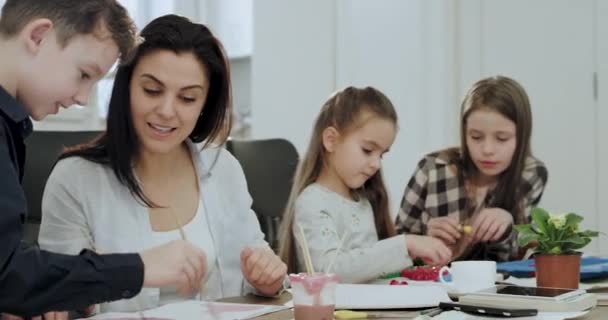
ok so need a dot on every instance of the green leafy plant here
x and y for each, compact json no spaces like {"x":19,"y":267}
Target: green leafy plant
{"x":554,"y":234}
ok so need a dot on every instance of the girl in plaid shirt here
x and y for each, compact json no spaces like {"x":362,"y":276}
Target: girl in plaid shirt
{"x":339,"y":198}
{"x":470,"y":197}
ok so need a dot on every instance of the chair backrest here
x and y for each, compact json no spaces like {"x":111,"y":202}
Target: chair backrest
{"x":269,"y":166}
{"x":43,"y":149}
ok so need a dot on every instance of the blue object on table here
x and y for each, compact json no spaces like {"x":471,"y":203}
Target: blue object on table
{"x":591,"y":268}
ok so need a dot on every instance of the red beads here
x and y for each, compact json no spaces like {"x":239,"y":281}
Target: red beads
{"x":395,"y":282}
{"x":421,"y":273}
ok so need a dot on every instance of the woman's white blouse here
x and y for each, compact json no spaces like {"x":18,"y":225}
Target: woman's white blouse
{"x":197,"y":232}
{"x":85,"y":206}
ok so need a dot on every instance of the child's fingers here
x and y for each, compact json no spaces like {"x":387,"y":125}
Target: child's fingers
{"x":433,"y":256}
{"x":500,"y":232}
{"x":434,"y":252}
{"x":477,"y":226}
{"x":453,"y":220}
{"x":451,"y":226}
{"x":484,"y":228}
{"x":445,"y":254}
{"x":442,"y":235}
{"x":492,"y":231}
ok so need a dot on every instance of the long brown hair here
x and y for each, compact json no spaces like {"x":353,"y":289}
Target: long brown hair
{"x":507,"y":97}
{"x":342,"y":111}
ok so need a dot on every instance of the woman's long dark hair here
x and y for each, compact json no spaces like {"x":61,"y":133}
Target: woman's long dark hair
{"x":118,"y":147}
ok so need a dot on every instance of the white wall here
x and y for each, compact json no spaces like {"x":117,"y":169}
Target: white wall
{"x":601,"y":60}
{"x":293,"y":66}
{"x":404,"y":48}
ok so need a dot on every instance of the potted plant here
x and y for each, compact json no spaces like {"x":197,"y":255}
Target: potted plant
{"x":555,"y":240}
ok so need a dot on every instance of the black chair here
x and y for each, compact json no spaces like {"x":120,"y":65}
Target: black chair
{"x":43,"y":149}
{"x":269,"y":167}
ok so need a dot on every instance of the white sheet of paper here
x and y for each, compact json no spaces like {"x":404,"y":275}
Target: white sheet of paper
{"x":371,"y":296}
{"x":456,"y":315}
{"x":189,"y":310}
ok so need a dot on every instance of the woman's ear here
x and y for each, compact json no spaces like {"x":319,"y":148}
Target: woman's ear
{"x":34,"y":33}
{"x":330,"y":138}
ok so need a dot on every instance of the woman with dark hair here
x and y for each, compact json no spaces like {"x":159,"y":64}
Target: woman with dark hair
{"x":471,"y":196}
{"x":157,"y":173}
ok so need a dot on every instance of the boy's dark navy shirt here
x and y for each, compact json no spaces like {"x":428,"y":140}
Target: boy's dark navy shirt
{"x":33,"y":281}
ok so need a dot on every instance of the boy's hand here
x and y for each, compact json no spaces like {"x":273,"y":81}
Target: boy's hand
{"x":447,"y":229}
{"x":177,"y":263}
{"x":55,"y":316}
{"x":490,"y":224}
{"x":263,"y":269}
{"x":431,"y":250}
{"x":63,"y":315}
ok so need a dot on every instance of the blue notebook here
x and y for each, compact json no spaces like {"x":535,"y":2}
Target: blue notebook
{"x":591,"y":268}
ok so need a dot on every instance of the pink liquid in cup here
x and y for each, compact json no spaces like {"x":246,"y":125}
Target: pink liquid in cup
{"x":314,"y":297}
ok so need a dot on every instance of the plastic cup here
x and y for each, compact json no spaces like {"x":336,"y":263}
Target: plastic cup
{"x":314,"y":296}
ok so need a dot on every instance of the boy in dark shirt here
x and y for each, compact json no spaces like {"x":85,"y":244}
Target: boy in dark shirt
{"x":53,"y":52}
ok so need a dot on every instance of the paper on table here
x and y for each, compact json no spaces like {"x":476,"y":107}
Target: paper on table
{"x":192,"y":309}
{"x":370,"y":296}
{"x":289,"y":303}
{"x":457,"y":315}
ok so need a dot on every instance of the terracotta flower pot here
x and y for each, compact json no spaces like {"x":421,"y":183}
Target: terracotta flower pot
{"x":558,"y":271}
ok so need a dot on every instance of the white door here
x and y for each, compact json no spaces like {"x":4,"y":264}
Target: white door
{"x":549,"y":47}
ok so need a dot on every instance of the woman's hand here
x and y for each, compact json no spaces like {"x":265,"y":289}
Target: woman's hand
{"x":263,"y":269}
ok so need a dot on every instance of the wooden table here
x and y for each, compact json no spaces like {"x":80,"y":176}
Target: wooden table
{"x":599,"y":313}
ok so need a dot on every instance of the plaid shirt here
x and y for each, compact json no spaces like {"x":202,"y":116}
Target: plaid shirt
{"x":437,"y":189}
